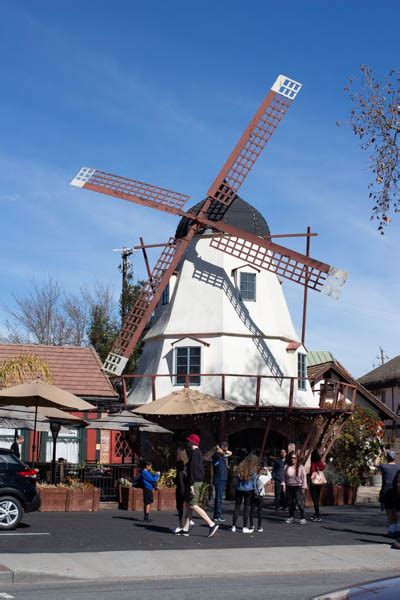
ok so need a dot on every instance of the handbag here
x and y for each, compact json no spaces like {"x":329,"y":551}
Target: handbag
{"x":318,"y":478}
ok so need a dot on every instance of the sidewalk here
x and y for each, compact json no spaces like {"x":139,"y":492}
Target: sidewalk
{"x":199,"y":563}
{"x":118,"y":545}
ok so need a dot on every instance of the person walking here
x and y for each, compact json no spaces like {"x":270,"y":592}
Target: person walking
{"x":245,"y":485}
{"x":257,"y":499}
{"x":317,"y":481}
{"x":221,"y":469}
{"x":148,"y":482}
{"x":182,"y":460}
{"x":386,"y":495}
{"x":295,"y":484}
{"x":194,"y":481}
{"x":15,"y":446}
{"x":278,"y":476}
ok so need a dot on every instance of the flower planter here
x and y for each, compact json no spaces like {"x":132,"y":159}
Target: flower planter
{"x":83,"y":499}
{"x":166,"y":499}
{"x":53,"y":499}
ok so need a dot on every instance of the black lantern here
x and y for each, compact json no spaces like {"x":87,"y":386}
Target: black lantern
{"x":55,"y":430}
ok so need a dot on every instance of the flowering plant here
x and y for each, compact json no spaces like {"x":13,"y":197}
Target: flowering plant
{"x":357,"y":449}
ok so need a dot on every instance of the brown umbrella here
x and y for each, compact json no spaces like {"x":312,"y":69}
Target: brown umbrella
{"x":185,"y":402}
{"x":38,"y":393}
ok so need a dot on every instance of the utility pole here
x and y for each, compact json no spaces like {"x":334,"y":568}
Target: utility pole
{"x":124,"y":268}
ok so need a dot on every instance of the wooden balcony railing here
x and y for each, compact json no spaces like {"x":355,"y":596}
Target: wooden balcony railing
{"x":333,"y":395}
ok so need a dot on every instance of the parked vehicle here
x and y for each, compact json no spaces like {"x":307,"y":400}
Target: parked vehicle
{"x":381,"y":589}
{"x":18,"y":491}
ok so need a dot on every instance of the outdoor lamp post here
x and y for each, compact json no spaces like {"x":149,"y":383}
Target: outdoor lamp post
{"x":55,"y":430}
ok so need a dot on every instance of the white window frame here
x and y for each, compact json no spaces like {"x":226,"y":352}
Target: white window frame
{"x":302,"y":371}
{"x":241,"y":273}
{"x":188,"y":349}
{"x":165,"y":296}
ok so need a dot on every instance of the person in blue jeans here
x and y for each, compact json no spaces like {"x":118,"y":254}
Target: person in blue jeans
{"x":220,"y":464}
{"x":278,"y":476}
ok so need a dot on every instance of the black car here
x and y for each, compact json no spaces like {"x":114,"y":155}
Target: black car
{"x":18,"y":491}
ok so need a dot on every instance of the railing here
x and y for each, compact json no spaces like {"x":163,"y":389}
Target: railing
{"x":105,"y":477}
{"x":333,"y":395}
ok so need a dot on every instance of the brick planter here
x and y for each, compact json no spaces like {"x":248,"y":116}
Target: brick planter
{"x":83,"y":500}
{"x":125,"y":498}
{"x":166,"y":499}
{"x":53,"y":499}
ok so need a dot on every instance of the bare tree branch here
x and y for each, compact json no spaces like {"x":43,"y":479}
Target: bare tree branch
{"x":375,"y":120}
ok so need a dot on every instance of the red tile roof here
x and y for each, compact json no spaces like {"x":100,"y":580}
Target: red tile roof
{"x":75,"y":369}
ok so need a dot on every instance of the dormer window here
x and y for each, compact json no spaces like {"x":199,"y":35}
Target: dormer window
{"x":247,"y":286}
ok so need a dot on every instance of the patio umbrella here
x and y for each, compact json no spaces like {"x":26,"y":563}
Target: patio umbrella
{"x":185,"y":402}
{"x":38,"y":393}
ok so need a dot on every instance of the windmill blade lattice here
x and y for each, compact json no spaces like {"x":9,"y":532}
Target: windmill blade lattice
{"x":254,"y":139}
{"x":284,"y":263}
{"x":128,"y":189}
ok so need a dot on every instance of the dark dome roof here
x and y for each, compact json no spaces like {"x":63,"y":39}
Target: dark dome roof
{"x":240,"y":214}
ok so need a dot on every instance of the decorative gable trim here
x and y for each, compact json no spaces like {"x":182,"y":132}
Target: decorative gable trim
{"x":190,"y":337}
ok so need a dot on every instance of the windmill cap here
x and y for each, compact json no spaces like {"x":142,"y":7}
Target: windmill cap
{"x":193,"y":438}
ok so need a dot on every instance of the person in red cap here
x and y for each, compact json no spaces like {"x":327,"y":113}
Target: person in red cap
{"x":194,"y":480}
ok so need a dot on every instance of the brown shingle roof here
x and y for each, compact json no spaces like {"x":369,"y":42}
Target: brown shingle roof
{"x":386,"y":372}
{"x":75,"y":369}
{"x":317,"y":371}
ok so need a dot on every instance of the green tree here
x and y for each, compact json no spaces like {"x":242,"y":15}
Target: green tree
{"x":103,"y":325}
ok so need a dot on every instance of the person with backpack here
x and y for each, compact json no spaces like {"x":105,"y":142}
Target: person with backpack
{"x":295,"y":485}
{"x":317,"y":481}
{"x":148,"y":481}
{"x":257,"y":500}
{"x":245,"y":485}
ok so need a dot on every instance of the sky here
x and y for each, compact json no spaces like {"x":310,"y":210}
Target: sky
{"x":160,"y":92}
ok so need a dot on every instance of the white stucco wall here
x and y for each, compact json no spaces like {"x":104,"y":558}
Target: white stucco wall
{"x":243,"y":337}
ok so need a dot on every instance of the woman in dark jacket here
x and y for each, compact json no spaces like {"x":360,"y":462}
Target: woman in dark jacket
{"x":386,"y":495}
{"x":180,"y":483}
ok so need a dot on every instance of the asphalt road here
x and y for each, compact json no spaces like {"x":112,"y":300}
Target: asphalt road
{"x":111,"y":530}
{"x":294,"y":587}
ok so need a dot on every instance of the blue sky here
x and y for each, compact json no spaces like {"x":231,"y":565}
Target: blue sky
{"x":160,"y":91}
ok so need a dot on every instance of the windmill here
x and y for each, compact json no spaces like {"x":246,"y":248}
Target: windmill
{"x":260,"y":252}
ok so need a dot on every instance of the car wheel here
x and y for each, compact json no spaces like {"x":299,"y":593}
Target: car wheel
{"x":10,"y":512}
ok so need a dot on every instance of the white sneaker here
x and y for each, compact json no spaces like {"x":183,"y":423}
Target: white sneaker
{"x":176,"y":530}
{"x":260,"y":530}
{"x":302,"y":521}
{"x":191,"y":525}
{"x":289,"y":520}
{"x":233,"y":529}
{"x":247,"y":530}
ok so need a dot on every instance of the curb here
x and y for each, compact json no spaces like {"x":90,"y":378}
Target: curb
{"x":6,"y":575}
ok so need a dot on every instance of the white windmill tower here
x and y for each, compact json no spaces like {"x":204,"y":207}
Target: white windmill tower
{"x":218,"y":316}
